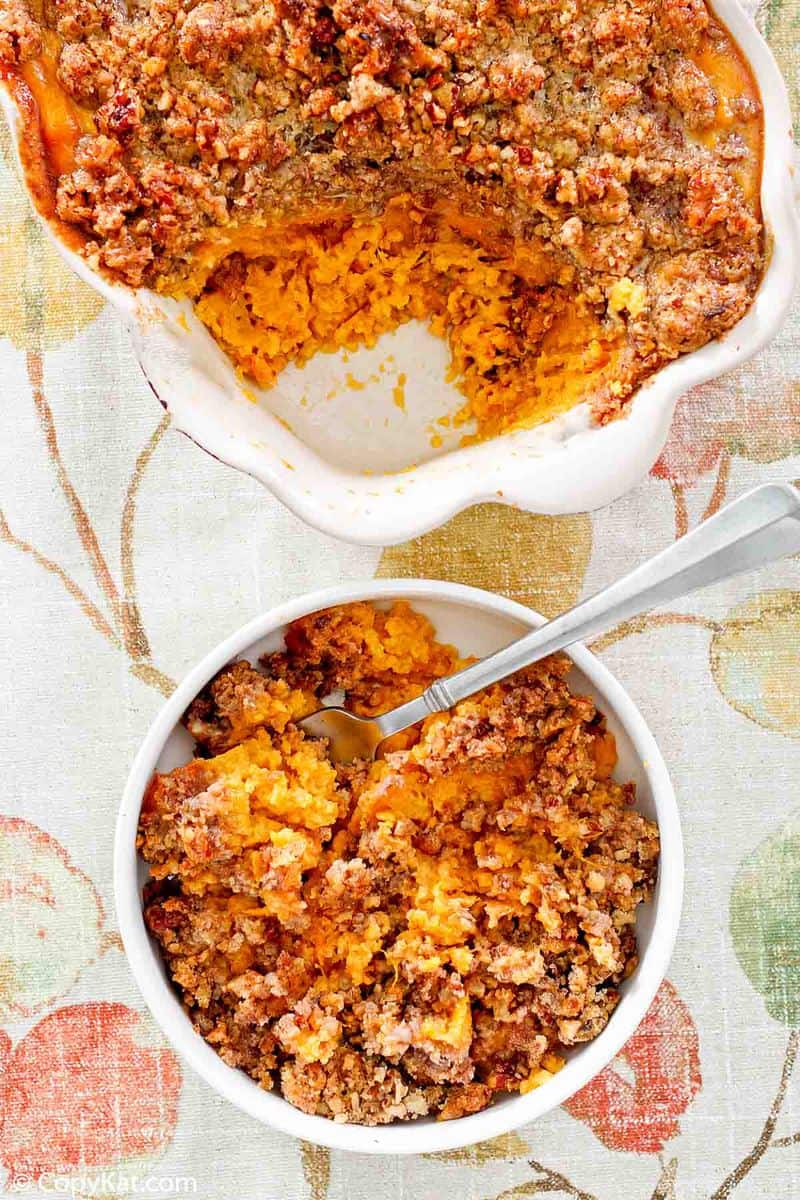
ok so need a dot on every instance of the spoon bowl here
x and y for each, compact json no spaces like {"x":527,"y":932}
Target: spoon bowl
{"x":348,"y":735}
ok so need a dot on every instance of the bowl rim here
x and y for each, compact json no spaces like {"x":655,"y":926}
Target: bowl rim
{"x":413,"y":1138}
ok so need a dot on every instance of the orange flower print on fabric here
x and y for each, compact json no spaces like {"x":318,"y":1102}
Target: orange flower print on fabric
{"x":88,"y":1087}
{"x":740,"y":417}
{"x":664,"y":1059}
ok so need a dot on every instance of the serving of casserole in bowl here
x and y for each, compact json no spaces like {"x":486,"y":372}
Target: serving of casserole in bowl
{"x":393,"y":257}
{"x":411,"y":954}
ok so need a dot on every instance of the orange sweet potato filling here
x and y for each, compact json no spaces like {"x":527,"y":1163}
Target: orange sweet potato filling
{"x":568,"y":196}
{"x":281,"y":295}
{"x":407,"y":937}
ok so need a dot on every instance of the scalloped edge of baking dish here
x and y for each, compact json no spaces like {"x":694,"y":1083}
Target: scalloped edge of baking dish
{"x":566,"y":465}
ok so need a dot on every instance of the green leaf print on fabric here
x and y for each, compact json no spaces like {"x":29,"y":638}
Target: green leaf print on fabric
{"x":754,"y":660}
{"x":781,"y":23}
{"x":765,"y":921}
{"x":51,"y":920}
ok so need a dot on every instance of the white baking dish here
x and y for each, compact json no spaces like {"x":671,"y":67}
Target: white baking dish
{"x":345,"y":463}
{"x":478,"y":622}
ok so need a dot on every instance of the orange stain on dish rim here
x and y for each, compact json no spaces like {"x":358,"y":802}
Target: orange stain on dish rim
{"x":358,"y":385}
{"x":62,"y":121}
{"x":355,"y":385}
{"x":399,"y":391}
{"x":435,"y":439}
{"x":732,"y":78}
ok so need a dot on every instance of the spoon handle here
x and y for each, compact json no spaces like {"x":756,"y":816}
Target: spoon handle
{"x":756,"y":529}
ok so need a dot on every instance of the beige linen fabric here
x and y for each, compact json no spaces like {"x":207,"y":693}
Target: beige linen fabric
{"x":126,"y":553}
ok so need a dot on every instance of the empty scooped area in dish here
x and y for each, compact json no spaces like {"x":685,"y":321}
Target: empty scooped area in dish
{"x":523,"y":340}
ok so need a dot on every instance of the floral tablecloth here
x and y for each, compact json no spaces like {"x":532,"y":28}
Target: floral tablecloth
{"x":126,"y":553}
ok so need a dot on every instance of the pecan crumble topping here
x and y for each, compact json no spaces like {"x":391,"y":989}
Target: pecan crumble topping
{"x":408,"y":937}
{"x":591,"y":168}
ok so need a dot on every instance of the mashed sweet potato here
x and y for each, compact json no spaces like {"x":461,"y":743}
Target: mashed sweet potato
{"x":567,"y":192}
{"x":381,"y":941}
{"x":519,"y":350}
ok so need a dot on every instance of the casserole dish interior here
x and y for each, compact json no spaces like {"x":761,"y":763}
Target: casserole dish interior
{"x":365,"y":457}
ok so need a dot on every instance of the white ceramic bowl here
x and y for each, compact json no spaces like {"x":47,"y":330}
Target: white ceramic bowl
{"x":477,"y":622}
{"x":359,"y":468}
{"x":345,"y":464}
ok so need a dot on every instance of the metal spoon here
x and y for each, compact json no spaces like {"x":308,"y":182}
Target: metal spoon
{"x":756,"y":529}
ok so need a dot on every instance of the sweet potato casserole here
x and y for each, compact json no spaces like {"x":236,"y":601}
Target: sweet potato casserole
{"x":567,"y":192}
{"x":407,"y":937}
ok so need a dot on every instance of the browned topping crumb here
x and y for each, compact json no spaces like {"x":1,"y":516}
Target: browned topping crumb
{"x":364,"y":652}
{"x":20,"y":34}
{"x":410,"y":937}
{"x":238,"y":700}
